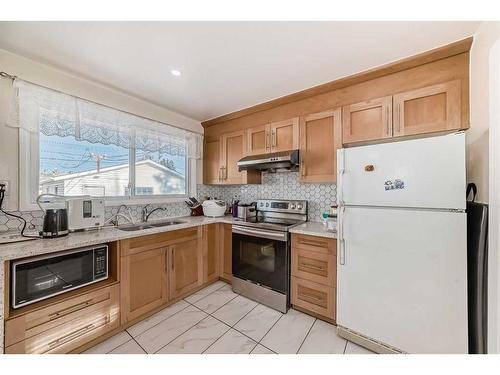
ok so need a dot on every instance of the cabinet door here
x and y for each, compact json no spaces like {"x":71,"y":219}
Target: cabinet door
{"x":429,"y":109}
{"x":211,"y":162}
{"x":143,"y":282}
{"x":285,"y":135}
{"x":211,"y":252}
{"x":320,"y":137}
{"x":233,"y":149}
{"x":258,"y":140}
{"x":226,"y":248}
{"x":367,"y":121}
{"x":185,"y":267}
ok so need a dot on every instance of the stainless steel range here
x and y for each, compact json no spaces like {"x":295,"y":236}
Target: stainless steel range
{"x":261,"y":252}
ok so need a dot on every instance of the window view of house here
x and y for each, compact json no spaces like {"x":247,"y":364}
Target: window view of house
{"x":76,"y":167}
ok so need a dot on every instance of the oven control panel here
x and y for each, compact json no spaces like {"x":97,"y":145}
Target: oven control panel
{"x":289,"y":206}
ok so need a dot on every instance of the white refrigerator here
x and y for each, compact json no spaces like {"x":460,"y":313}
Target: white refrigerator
{"x":402,"y":246}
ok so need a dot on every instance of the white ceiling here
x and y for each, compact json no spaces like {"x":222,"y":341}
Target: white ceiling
{"x":226,"y":66}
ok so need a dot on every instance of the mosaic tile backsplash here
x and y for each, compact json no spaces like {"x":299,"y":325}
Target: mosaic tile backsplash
{"x":274,"y":186}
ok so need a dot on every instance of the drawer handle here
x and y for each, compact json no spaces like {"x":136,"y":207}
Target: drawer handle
{"x":71,"y":309}
{"x":73,"y":335}
{"x":310,"y":296}
{"x":312,"y":266}
{"x":312,"y":243}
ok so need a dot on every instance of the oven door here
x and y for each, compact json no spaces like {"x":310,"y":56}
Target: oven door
{"x":261,"y":256}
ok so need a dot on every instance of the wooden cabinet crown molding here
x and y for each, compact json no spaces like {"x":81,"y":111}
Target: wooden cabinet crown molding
{"x":436,"y":54}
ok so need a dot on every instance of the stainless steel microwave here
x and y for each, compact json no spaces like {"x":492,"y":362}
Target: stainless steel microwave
{"x":38,"y":278}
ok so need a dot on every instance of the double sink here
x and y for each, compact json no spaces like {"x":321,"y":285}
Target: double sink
{"x":141,"y":226}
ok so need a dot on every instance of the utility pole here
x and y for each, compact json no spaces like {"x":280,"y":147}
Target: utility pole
{"x":98,"y":158}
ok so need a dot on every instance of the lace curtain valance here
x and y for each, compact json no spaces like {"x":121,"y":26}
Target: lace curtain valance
{"x":38,"y":109}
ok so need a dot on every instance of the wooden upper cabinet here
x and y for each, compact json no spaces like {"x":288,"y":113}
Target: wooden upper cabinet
{"x":273,"y":137}
{"x":143,"y":282}
{"x":233,"y":149}
{"x":367,"y":121}
{"x":429,"y":109}
{"x":185,"y":270}
{"x":284,"y":135}
{"x":320,"y":137}
{"x":258,"y":140}
{"x":211,"y":162}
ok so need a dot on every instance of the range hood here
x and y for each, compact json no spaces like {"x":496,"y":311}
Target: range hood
{"x":283,"y":160}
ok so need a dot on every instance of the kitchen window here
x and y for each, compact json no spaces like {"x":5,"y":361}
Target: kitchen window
{"x":76,"y":147}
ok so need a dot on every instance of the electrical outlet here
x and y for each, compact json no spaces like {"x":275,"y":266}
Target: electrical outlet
{"x":6,"y":183}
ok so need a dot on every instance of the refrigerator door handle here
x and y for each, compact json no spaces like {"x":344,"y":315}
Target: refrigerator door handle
{"x":341,"y":236}
{"x":341,"y":171}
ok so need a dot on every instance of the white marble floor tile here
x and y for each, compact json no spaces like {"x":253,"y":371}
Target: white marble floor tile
{"x":198,"y":338}
{"x":259,"y":349}
{"x":205,"y":292}
{"x":153,"y":320}
{"x":289,"y":332}
{"x":234,"y":310}
{"x":130,"y":347}
{"x":353,"y":348}
{"x":323,"y":339}
{"x":258,"y":321}
{"x":217,"y":299}
{"x":109,"y":344}
{"x":166,"y":331}
{"x":232,"y":342}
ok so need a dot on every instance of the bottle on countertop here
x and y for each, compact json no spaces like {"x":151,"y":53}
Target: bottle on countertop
{"x":330,"y":218}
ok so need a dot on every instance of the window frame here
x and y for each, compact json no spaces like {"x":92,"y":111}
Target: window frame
{"x":29,"y":173}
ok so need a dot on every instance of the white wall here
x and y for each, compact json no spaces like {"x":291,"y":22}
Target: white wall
{"x":494,"y":199}
{"x":483,"y":158}
{"x":478,"y":135}
{"x":72,"y":84}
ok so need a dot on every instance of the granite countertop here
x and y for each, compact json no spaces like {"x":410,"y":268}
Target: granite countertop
{"x":95,"y":237}
{"x":111,"y":234}
{"x":313,"y":228}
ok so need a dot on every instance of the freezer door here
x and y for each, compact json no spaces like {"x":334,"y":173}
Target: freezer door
{"x":402,"y":278}
{"x":428,"y":173}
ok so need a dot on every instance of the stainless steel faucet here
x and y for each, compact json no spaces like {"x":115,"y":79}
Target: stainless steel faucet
{"x":145,"y":214}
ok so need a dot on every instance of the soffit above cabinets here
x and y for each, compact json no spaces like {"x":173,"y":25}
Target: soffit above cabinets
{"x":224,"y":66}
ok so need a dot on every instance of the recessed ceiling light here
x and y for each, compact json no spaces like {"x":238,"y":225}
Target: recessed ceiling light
{"x":175,"y":72}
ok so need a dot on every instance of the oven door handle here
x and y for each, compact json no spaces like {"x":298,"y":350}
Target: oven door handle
{"x":262,"y":233}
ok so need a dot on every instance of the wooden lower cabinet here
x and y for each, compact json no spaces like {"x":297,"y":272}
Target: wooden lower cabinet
{"x":185,"y":270}
{"x":314,"y":297}
{"x":210,"y":252}
{"x":143,"y":282}
{"x":64,"y":326}
{"x":226,"y":248}
{"x":314,"y":275}
{"x":153,"y":271}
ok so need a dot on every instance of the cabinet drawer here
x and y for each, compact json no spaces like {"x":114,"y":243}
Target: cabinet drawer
{"x":314,"y":243}
{"x":144,"y":243}
{"x":69,"y":336}
{"x":314,"y":266}
{"x":57,"y":321}
{"x":314,"y":297}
